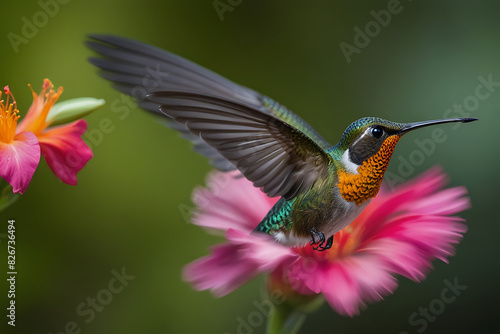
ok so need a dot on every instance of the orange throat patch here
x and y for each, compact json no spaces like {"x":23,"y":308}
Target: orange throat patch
{"x":365,"y":185}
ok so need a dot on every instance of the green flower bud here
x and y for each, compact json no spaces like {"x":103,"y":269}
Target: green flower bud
{"x":71,"y":110}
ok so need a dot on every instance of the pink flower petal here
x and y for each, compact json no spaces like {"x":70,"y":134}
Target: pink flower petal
{"x":352,"y":281}
{"x":261,"y":249}
{"x":221,"y":272}
{"x":398,"y":233}
{"x":19,"y":160}
{"x":232,"y":264}
{"x":65,"y":151}
{"x":230,"y":201}
{"x":444,"y":202}
{"x":386,"y":204}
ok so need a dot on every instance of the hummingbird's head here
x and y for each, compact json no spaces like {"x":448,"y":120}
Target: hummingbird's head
{"x":367,"y":136}
{"x":365,"y":150}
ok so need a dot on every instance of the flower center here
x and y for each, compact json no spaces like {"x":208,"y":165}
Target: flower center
{"x":345,"y":243}
{"x":8,"y":117}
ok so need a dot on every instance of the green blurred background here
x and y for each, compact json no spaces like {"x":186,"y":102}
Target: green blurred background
{"x":124,"y":213}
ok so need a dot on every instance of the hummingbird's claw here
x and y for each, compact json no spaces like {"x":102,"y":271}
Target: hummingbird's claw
{"x":323,"y":246}
{"x":317,"y":234}
{"x":318,"y":239}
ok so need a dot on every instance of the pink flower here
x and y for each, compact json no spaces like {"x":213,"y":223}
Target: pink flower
{"x":398,"y":233}
{"x":62,"y":146}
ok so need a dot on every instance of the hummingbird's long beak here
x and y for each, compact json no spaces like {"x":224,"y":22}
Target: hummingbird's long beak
{"x":412,"y":126}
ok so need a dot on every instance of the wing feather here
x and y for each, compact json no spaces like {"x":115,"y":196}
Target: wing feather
{"x":274,"y":155}
{"x":137,"y":69}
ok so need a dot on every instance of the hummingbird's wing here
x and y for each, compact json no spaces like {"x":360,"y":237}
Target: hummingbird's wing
{"x":275,"y":156}
{"x":136,"y":69}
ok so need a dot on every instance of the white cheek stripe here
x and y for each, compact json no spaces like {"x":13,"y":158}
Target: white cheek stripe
{"x":350,"y":166}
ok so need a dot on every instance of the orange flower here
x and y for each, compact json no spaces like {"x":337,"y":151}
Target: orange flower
{"x":62,"y":146}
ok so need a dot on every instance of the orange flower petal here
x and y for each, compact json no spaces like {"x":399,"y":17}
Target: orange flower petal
{"x":36,"y":117}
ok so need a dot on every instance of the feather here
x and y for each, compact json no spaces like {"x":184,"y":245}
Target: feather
{"x":271,"y":153}
{"x":137,"y":69}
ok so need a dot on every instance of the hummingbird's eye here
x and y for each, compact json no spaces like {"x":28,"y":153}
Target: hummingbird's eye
{"x":377,"y":132}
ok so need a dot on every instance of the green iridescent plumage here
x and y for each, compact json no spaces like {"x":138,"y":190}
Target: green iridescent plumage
{"x":286,"y":115}
{"x":278,"y":217}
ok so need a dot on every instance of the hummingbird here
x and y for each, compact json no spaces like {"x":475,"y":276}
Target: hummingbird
{"x":322,"y":187}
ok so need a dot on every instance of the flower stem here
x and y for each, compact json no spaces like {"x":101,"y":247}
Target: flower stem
{"x":7,"y":197}
{"x":285,"y":319}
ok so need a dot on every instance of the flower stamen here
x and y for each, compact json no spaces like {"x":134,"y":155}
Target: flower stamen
{"x":8,"y":117}
{"x":43,"y":103}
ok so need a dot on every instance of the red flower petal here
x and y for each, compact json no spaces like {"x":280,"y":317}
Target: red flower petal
{"x":65,"y":151}
{"x":18,"y":160}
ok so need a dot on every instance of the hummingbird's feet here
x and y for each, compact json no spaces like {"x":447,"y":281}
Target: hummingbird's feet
{"x":318,"y":239}
{"x":315,"y":234}
{"x":325,"y":245}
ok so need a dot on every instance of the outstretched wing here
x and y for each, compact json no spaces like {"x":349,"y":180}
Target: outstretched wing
{"x":137,"y":69}
{"x":271,"y":153}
